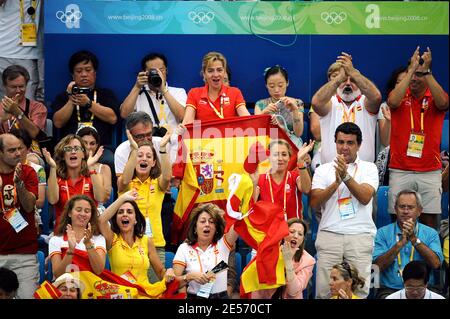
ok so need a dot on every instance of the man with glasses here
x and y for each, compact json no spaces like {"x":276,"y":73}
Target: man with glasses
{"x":403,"y":241}
{"x":152,"y":91}
{"x":18,"y":239}
{"x":415,"y":277}
{"x":418,"y":105}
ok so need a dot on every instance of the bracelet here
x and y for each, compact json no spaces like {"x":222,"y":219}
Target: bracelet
{"x":165,"y":91}
{"x":69,"y":253}
{"x":163,"y":152}
{"x":90,"y":247}
{"x":302,"y":168}
{"x":20,"y":184}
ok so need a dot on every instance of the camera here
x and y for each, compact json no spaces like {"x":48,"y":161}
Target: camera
{"x":421,"y":61}
{"x":159,"y":131}
{"x":154,"y":79}
{"x":279,"y":104}
{"x":80,"y":90}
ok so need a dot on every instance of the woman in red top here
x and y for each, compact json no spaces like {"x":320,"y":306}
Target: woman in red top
{"x":281,"y":186}
{"x":215,"y":100}
{"x":72,"y":172}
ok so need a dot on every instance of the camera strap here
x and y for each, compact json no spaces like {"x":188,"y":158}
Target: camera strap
{"x":152,"y":107}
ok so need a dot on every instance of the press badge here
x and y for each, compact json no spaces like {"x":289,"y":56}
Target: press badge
{"x":205,"y":290}
{"x":16,"y":220}
{"x":28,"y":35}
{"x":415,"y":145}
{"x":346,"y":208}
{"x":148,"y":227}
{"x":84,"y":124}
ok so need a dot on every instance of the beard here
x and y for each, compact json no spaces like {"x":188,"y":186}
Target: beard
{"x":347,"y":94}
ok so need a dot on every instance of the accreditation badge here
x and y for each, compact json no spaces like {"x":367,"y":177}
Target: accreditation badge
{"x":346,"y":209}
{"x":415,"y":145}
{"x":28,"y":35}
{"x":84,"y":124}
{"x":16,"y":220}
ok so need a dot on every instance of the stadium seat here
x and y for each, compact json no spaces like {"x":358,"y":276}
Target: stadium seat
{"x":41,"y":260}
{"x":444,"y":139}
{"x":305,"y":134}
{"x":49,"y":271}
{"x":306,"y":210}
{"x":383,"y":217}
{"x":45,"y":216}
{"x":238,"y":265}
{"x":169,"y":259}
{"x":248,"y":258}
{"x":107,"y":263}
{"x":444,"y":205}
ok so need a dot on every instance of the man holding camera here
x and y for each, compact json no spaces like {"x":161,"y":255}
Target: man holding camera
{"x":84,"y":104}
{"x":347,"y":97}
{"x":151,"y":94}
{"x":418,"y":105}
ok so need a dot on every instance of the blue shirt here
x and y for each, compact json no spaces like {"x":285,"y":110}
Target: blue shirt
{"x":387,"y":237}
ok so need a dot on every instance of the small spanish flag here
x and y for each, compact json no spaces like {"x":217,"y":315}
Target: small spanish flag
{"x":47,"y":291}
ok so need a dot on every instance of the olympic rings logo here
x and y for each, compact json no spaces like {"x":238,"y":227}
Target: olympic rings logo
{"x":71,"y":16}
{"x":333,"y":17}
{"x":201,"y":17}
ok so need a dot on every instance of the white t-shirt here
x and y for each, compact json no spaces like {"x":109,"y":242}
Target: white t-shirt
{"x":10,"y":22}
{"x":401,"y":294}
{"x":331,"y":220}
{"x":122,"y":152}
{"x":188,"y":256}
{"x":162,"y":109}
{"x":57,"y":242}
{"x":366,"y":121}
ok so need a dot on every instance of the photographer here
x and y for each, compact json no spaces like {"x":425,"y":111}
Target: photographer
{"x":151,"y":94}
{"x":418,"y":105}
{"x":84,"y":104}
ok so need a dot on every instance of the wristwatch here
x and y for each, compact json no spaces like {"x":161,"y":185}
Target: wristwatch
{"x":20,"y":116}
{"x":346,"y":177}
{"x":418,"y":242}
{"x":88,"y":105}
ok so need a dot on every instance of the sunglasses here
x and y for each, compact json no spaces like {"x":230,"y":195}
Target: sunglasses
{"x":420,"y":74}
{"x":142,"y":136}
{"x":70,"y":149}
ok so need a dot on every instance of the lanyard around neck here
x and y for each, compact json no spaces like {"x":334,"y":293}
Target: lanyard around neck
{"x":216,"y":252}
{"x":411,"y":256}
{"x":220,"y":115}
{"x":284,"y":191}
{"x":22,"y":11}
{"x":92,"y":114}
{"x":422,"y":114}
{"x":67,"y":188}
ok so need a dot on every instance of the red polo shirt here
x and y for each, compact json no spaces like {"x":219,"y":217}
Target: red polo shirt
{"x":230,"y":98}
{"x":83,"y":185}
{"x":24,"y":242}
{"x":401,"y":130}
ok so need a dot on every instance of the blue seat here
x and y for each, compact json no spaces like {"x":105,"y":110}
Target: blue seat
{"x":248,"y":258}
{"x":169,"y":259}
{"x":383,"y":217}
{"x":45,"y":216}
{"x":238,"y":265}
{"x":107,"y":263}
{"x":306,"y":210}
{"x":444,"y":205}
{"x":49,"y":270}
{"x":305,"y":134}
{"x":41,"y":259}
{"x":444,"y":139}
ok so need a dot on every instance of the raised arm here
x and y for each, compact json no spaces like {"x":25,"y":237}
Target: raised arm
{"x":129,"y":103}
{"x":128,"y":171}
{"x":52,"y":182}
{"x":439,"y":95}
{"x":98,"y":187}
{"x":321,"y":101}
{"x":166,"y":167}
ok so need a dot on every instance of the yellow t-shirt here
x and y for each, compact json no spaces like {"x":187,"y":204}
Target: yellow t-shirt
{"x":150,"y":206}
{"x":126,"y":260}
{"x":353,"y":297}
{"x":446,"y":250}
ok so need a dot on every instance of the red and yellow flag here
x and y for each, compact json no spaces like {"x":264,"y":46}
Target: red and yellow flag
{"x":262,"y":226}
{"x":209,"y":153}
{"x":47,"y":291}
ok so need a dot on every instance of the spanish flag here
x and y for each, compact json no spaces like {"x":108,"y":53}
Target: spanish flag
{"x":47,"y":291}
{"x":209,"y":152}
{"x":262,"y":226}
{"x":108,"y":285}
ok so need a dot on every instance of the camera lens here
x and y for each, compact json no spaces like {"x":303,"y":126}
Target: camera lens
{"x":154,"y":79}
{"x":421,"y":61}
{"x":75,"y":89}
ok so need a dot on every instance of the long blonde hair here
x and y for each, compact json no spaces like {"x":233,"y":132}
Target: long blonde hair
{"x":211,"y":57}
{"x":61,"y":166}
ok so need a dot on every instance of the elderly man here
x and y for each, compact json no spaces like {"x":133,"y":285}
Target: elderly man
{"x":405,"y":240}
{"x":347,"y":97}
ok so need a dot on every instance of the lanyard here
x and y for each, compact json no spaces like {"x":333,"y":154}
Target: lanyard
{"x":216,"y":252}
{"x":284,"y":190}
{"x":92,"y":114}
{"x":22,"y":14}
{"x":220,"y":115}
{"x":411,"y":256}
{"x":351,"y":115}
{"x":354,"y":174}
{"x":67,"y":188}
{"x":422,"y":114}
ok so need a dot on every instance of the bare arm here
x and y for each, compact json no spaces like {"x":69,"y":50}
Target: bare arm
{"x":320,"y":196}
{"x":321,"y":101}
{"x":166,"y":167}
{"x":62,"y":116}
{"x":26,"y":198}
{"x":314,"y":121}
{"x":124,"y":179}
{"x":52,"y":182}
{"x":189,"y":115}
{"x":176,"y":107}
{"x":155,"y":262}
{"x":41,"y":199}
{"x":242,"y":111}
{"x":385,"y":126}
{"x":129,"y":103}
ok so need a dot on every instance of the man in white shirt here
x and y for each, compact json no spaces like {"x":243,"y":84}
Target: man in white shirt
{"x":152,"y":91}
{"x":415,"y":277}
{"x":348,"y":96}
{"x":343,"y":189}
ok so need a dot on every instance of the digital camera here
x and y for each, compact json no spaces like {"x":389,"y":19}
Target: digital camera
{"x":159,"y":131}
{"x":80,"y":90}
{"x":154,"y":79}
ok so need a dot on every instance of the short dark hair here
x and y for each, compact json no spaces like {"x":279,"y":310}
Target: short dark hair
{"x":349,"y":128}
{"x":8,"y":280}
{"x":275,"y":70}
{"x":299,"y":253}
{"x":82,"y":56}
{"x":89,"y":130}
{"x":152,"y":56}
{"x":12,"y":72}
{"x":214,"y":211}
{"x":135,"y":118}
{"x":416,"y":269}
{"x":23,"y":136}
{"x":139,"y":228}
{"x":392,"y":81}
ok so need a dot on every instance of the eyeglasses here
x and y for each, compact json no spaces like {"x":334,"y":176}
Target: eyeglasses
{"x":406,"y":207}
{"x":420,"y":74}
{"x":415,"y":289}
{"x":70,"y":149}
{"x":142,"y":136}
